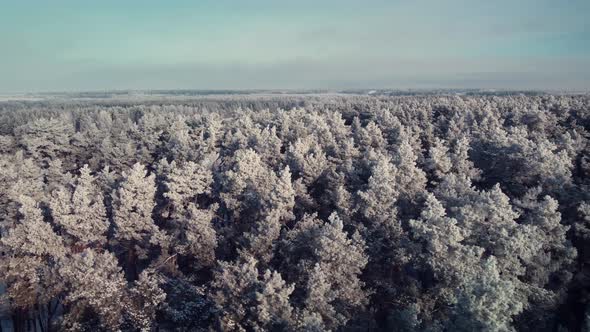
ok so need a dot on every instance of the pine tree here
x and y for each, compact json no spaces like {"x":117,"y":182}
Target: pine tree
{"x":135,"y":229}
{"x":582,"y":227}
{"x":442,"y":254}
{"x":144,"y":299}
{"x":18,"y":176}
{"x":556,"y":250}
{"x":46,"y":139}
{"x":486,"y":302}
{"x":32,"y":235}
{"x":334,"y":288}
{"x":246,"y":300}
{"x":32,"y":252}
{"x":411,"y":180}
{"x":274,"y":310}
{"x":378,"y":200}
{"x":260,"y":241}
{"x":438,"y":160}
{"x":80,"y":211}
{"x":193,"y":231}
{"x":185,"y":182}
{"x":198,"y":237}
{"x":96,"y":287}
{"x":307,"y":160}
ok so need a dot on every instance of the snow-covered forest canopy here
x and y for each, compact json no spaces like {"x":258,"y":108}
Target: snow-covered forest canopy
{"x":296,"y":213}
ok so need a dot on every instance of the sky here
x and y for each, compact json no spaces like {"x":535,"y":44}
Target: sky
{"x":72,"y":45}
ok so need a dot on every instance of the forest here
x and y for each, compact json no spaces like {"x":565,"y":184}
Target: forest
{"x":296,"y":213}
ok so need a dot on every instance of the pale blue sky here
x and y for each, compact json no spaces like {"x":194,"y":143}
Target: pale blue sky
{"x":78,"y":45}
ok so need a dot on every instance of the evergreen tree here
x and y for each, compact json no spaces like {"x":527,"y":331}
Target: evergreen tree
{"x":135,"y":229}
{"x":96,"y":289}
{"x":80,"y":211}
{"x":32,"y":253}
{"x":247,"y":300}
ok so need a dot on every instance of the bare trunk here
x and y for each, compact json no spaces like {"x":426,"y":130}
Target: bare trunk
{"x":131,"y":263}
{"x":19,"y":320}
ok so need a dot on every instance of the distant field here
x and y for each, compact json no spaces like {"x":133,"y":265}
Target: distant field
{"x":184,"y":94}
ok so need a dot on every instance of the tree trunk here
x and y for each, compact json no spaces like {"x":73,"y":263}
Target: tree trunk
{"x":131,"y":263}
{"x":19,"y":320}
